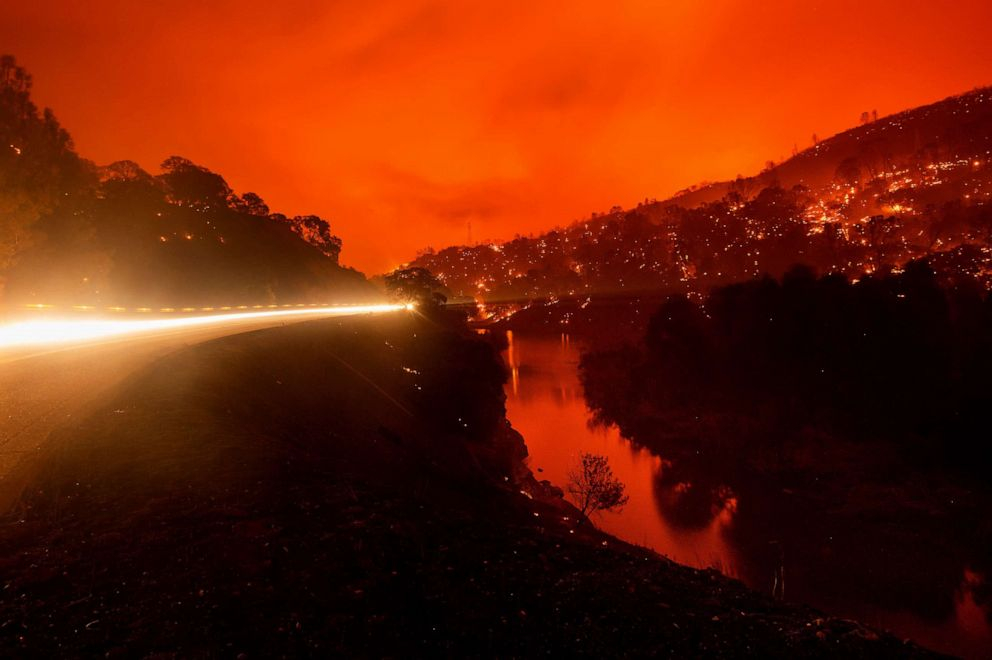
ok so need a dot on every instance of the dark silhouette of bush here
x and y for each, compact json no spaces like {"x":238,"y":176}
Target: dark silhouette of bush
{"x":897,"y":357}
{"x":415,"y":285}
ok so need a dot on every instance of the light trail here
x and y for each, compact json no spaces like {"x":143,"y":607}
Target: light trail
{"x":48,"y":332}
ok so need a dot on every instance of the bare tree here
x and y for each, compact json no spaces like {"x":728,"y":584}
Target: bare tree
{"x":594,"y":487}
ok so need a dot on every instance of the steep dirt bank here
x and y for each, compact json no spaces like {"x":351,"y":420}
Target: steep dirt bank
{"x":351,"y":487}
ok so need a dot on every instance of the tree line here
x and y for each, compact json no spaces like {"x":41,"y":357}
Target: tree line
{"x":902,"y":357}
{"x":104,"y":234}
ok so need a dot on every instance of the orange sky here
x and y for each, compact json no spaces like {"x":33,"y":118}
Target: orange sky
{"x":402,"y":121}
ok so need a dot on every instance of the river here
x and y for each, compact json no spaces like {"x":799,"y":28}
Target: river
{"x":546,"y":405}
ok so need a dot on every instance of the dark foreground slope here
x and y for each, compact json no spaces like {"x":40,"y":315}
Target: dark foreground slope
{"x":345,"y":487}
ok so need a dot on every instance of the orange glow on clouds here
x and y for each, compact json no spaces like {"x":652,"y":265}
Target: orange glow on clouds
{"x":406,"y":120}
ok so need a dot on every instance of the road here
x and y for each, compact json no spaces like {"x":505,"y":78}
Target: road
{"x":52,"y":371}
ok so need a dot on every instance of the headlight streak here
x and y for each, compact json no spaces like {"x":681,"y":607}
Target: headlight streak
{"x":48,"y":332}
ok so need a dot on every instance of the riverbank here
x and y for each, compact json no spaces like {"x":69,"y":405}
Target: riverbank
{"x":850,"y":537}
{"x":345,"y":487}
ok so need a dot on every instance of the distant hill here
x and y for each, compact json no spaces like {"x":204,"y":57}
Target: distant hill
{"x":72,"y":233}
{"x":917,"y":184}
{"x":957,"y":127}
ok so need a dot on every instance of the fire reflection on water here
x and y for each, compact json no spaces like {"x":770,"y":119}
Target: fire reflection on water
{"x":545,"y":403}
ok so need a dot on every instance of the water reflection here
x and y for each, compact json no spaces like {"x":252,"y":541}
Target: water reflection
{"x":688,"y":512}
{"x":544,"y":403}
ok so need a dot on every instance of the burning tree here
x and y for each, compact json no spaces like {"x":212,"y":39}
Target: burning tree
{"x":594,"y":487}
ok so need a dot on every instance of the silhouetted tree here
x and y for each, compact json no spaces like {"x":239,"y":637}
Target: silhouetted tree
{"x":594,"y":487}
{"x":125,"y":179}
{"x":192,"y":185}
{"x":39,"y":170}
{"x":253,"y":204}
{"x":416,"y":285}
{"x":315,"y":231}
{"x":124,"y":170}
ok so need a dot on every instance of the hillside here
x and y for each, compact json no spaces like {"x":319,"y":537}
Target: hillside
{"x":917,"y":184}
{"x":144,"y":248}
{"x":957,"y":128}
{"x":75,"y":234}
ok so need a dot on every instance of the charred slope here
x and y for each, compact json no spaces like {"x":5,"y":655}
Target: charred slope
{"x":958,"y":126}
{"x":346,"y":487}
{"x":914,"y":185}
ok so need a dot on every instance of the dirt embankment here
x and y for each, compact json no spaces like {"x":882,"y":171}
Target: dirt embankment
{"x":345,"y":487}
